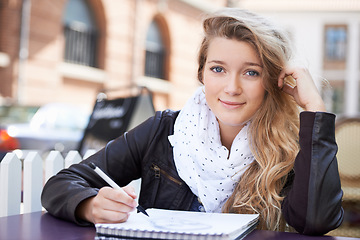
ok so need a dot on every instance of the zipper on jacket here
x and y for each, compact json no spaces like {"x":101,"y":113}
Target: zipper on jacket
{"x":158,"y":172}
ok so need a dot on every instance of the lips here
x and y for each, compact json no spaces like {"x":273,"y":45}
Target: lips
{"x":231,"y":105}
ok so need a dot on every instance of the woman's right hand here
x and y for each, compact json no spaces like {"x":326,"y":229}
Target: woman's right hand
{"x":305,"y":92}
{"x":108,"y":206}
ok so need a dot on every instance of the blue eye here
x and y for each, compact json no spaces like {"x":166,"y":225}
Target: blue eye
{"x":217,"y":69}
{"x":252,"y":73}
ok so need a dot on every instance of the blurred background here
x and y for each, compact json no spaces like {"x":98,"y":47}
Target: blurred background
{"x":56,"y":57}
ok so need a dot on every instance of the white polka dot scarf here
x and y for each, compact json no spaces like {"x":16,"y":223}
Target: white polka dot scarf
{"x":200,"y":158}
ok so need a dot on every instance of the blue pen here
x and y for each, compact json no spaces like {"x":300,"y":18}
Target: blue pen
{"x":113,"y":184}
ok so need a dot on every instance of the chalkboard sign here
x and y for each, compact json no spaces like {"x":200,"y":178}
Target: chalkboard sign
{"x":111,"y":118}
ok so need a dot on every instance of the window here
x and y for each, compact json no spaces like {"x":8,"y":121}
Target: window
{"x":335,"y":46}
{"x":80,"y":34}
{"x":334,"y":97}
{"x":155,"y":53}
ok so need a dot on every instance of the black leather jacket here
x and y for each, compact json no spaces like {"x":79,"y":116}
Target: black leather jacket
{"x":313,"y":197}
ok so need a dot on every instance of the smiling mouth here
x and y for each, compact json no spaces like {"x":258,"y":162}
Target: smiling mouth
{"x":232,"y":105}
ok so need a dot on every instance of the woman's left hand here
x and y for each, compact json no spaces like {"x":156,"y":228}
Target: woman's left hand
{"x":305,"y":92}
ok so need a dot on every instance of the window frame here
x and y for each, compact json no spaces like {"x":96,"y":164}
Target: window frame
{"x":155,"y":54}
{"x":334,"y":63}
{"x":81,"y":41}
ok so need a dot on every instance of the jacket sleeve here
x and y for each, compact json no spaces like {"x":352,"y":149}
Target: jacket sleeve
{"x":313,"y":204}
{"x":120,"y":159}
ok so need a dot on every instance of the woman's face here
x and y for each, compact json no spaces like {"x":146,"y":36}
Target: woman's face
{"x":233,"y":82}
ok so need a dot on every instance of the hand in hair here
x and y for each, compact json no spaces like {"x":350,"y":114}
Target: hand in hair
{"x":304,"y":92}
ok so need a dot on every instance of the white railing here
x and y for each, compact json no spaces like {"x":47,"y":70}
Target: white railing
{"x":28,"y":177}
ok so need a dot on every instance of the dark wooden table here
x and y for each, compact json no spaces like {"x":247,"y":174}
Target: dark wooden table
{"x":42,"y":226}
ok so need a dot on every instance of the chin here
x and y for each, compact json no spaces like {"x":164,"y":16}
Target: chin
{"x":234,"y":124}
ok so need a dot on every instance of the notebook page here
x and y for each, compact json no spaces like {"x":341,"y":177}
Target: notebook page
{"x":183,"y":222}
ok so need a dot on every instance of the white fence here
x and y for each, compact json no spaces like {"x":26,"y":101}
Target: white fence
{"x":28,"y":177}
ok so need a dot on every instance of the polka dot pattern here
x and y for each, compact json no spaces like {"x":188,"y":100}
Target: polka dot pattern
{"x":207,"y":167}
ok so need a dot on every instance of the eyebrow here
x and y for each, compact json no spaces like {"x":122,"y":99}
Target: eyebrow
{"x":254,"y":64}
{"x":247,"y":63}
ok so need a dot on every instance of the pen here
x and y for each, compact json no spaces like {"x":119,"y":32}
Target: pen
{"x":113,"y":184}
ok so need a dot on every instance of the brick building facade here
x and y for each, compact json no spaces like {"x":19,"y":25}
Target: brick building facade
{"x":44,"y":75}
{"x":122,"y":34}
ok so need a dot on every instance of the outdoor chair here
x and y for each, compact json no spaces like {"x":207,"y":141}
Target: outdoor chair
{"x":347,"y":133}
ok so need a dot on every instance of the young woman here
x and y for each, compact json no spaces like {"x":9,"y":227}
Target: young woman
{"x":238,"y":145}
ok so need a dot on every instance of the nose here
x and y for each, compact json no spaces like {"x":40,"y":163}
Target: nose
{"x":233,"y":85}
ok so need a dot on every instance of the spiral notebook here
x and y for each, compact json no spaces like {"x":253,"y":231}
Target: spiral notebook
{"x":173,"y":224}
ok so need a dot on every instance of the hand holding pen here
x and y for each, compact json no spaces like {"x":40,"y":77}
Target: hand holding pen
{"x":110,"y":205}
{"x":113,"y":184}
